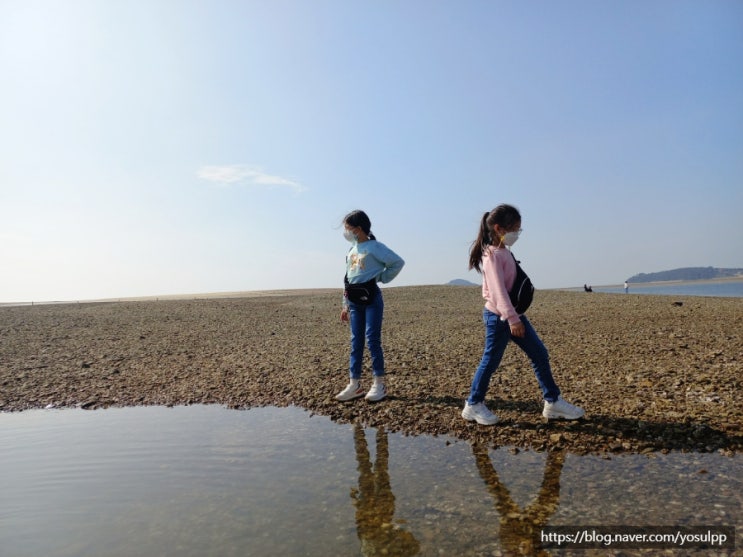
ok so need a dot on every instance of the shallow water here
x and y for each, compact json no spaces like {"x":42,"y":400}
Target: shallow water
{"x":205,"y":480}
{"x":725,"y":289}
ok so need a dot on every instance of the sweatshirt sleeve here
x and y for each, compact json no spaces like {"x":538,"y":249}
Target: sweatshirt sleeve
{"x":497,"y":272}
{"x":391,"y":262}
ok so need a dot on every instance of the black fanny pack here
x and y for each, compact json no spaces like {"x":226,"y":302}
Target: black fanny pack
{"x":362,"y":293}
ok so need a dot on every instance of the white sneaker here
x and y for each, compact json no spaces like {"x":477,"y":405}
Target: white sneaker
{"x":479,"y":413}
{"x":352,"y":391}
{"x":377,"y":392}
{"x":561,"y":409}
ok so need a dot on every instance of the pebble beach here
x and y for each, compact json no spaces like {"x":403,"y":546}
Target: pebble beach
{"x":654,"y":373}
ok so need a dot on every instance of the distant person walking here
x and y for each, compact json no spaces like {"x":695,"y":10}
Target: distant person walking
{"x":490,"y":256}
{"x":626,"y":287}
{"x":367,"y":263}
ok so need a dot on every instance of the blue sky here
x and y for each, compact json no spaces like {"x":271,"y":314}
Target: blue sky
{"x":159,"y":147}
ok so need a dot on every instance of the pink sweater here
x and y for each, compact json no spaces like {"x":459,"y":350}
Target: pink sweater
{"x":498,"y":274}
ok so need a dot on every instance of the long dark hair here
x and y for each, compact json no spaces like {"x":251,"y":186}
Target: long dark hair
{"x":505,"y":216}
{"x":359,"y":218}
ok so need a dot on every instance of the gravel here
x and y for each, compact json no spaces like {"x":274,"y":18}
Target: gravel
{"x":654,"y":373}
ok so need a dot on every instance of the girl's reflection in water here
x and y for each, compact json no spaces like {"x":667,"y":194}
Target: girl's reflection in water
{"x":521,"y":529}
{"x":375,"y":503}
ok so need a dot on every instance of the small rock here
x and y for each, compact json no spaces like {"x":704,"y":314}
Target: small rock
{"x":557,"y":438}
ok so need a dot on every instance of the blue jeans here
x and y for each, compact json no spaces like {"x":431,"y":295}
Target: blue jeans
{"x":497,"y":335}
{"x":366,"y":324}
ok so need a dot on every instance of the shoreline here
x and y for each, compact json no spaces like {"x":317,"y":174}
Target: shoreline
{"x":651,"y":375}
{"x":653,"y":283}
{"x":176,"y":297}
{"x":313,"y":291}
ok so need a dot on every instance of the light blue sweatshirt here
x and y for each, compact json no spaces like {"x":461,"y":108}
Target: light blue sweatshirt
{"x":372,"y":259}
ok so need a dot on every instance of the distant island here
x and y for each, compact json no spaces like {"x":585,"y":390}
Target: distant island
{"x":687,"y":273}
{"x":461,"y":282}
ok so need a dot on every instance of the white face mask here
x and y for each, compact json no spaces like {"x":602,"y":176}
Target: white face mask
{"x":509,"y":238}
{"x":350,"y":236}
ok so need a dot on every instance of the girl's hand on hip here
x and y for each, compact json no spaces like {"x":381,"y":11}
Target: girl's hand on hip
{"x":518,"y":329}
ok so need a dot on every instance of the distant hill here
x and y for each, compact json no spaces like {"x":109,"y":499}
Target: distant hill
{"x":461,"y":282}
{"x":687,"y":273}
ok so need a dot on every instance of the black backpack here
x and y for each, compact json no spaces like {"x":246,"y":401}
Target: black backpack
{"x":522,"y":291}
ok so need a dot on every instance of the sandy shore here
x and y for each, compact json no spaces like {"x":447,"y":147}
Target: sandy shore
{"x":653,"y":372}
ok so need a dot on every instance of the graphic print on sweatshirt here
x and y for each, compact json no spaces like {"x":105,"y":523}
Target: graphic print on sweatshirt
{"x":357,"y":262}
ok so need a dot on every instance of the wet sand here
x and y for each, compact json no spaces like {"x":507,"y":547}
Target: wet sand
{"x":654,"y":373}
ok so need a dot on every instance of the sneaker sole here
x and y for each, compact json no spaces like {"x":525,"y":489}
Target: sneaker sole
{"x":376,"y":398}
{"x":470,"y":419}
{"x":352,"y":397}
{"x":562,"y":416}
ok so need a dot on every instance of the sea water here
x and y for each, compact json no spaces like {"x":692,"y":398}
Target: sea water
{"x":208,"y":481}
{"x":725,"y":289}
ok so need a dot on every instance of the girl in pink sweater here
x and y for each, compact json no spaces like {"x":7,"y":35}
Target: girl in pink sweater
{"x":490,"y":256}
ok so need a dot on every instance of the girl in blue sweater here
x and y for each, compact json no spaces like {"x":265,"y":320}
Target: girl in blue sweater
{"x":367,"y":263}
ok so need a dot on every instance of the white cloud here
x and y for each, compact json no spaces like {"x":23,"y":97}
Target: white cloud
{"x":230,"y":174}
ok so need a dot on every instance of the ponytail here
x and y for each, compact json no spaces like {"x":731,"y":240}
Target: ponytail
{"x":480,"y":244}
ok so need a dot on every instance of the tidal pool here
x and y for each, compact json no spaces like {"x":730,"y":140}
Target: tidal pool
{"x":209,"y":481}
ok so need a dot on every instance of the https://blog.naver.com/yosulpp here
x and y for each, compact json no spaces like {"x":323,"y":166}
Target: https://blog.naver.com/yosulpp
{"x":638,"y":537}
